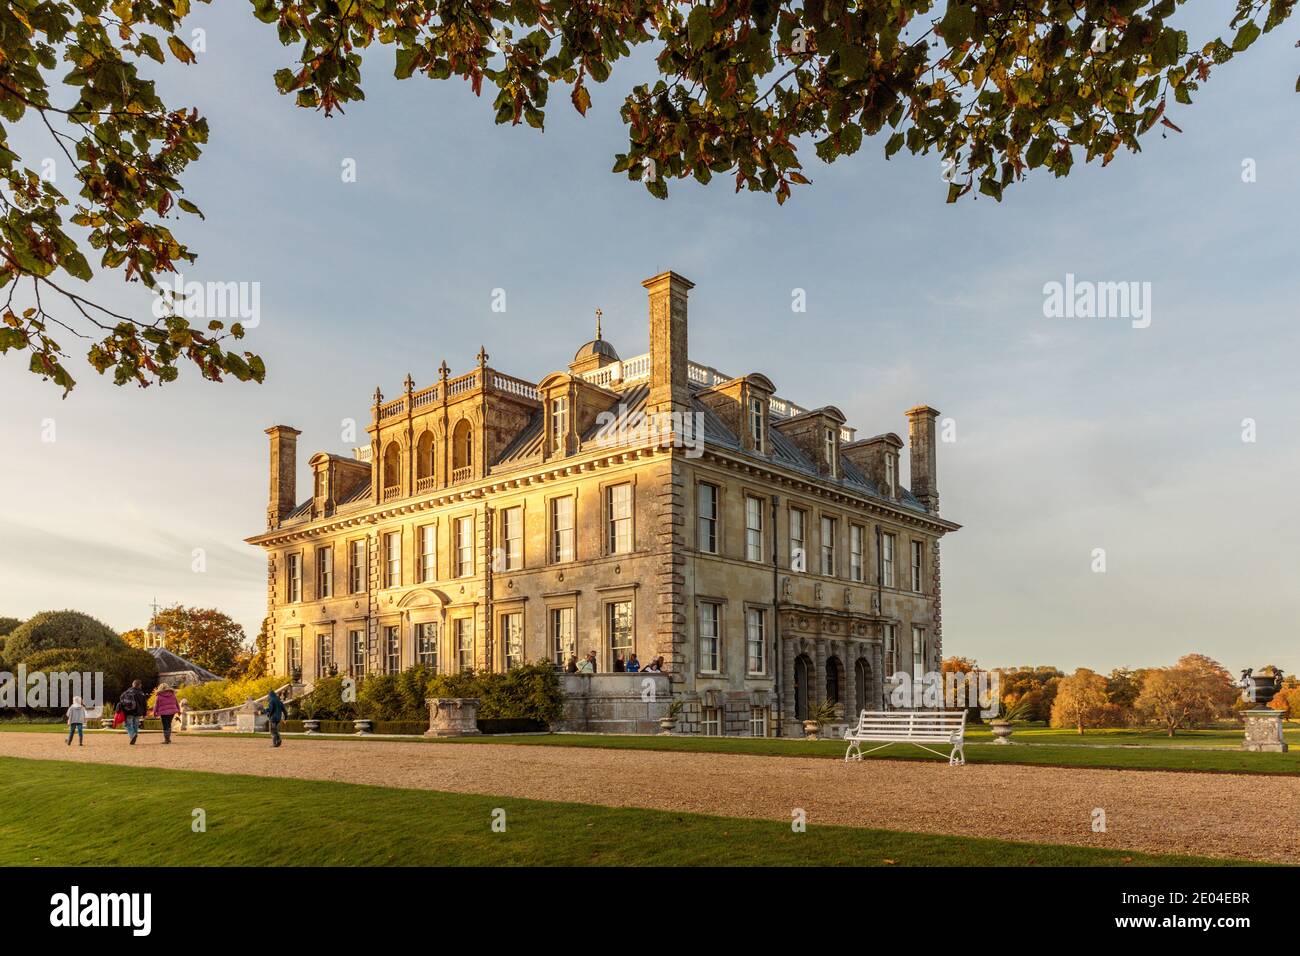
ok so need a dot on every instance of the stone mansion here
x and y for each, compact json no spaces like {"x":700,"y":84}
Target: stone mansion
{"x":650,"y":506}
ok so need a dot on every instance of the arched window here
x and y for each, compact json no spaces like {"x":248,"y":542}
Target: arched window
{"x":863,"y":673}
{"x":392,"y":466}
{"x":833,"y":679}
{"x":802,"y":685}
{"x":462,"y":446}
{"x":424,"y":456}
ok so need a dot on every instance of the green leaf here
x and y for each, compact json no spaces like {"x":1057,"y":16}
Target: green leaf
{"x":699,"y":26}
{"x":894,"y":145}
{"x":1245,"y":37}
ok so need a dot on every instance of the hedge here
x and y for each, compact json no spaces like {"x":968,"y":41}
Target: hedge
{"x":58,"y":629}
{"x":119,"y":665}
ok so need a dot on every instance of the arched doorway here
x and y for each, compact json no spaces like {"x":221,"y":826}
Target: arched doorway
{"x":802,"y":669}
{"x":862,"y":680}
{"x":392,"y":466}
{"x":833,"y":673}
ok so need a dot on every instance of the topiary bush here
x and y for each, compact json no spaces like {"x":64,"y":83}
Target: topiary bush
{"x":58,"y":629}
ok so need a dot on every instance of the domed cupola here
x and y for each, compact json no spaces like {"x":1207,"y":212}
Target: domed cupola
{"x":594,"y":354}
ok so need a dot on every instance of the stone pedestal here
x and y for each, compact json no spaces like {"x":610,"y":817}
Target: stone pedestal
{"x":248,"y":720}
{"x":452,"y":716}
{"x":1264,"y":731}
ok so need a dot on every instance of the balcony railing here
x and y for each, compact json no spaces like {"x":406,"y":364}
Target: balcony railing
{"x":462,"y":474}
{"x":393,"y":493}
{"x":424,"y":484}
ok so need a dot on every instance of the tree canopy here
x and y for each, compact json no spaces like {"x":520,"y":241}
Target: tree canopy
{"x":994,"y":89}
{"x":58,"y":629}
{"x":202,"y":636}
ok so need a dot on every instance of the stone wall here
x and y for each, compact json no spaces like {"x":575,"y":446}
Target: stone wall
{"x":614,"y":703}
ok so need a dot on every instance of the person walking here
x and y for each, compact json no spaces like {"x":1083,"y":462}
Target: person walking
{"x":274,"y":711}
{"x":165,"y":708}
{"x":76,"y":717}
{"x":133,"y":704}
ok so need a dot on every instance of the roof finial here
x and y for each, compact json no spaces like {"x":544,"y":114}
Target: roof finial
{"x":598,"y":315}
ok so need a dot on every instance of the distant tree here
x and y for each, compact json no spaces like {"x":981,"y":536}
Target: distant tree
{"x":1123,"y":687}
{"x":1080,"y":700}
{"x":134,"y":637}
{"x":252,"y":664}
{"x":1036,"y":686}
{"x":61,"y":629}
{"x":203,"y":636}
{"x":8,"y":625}
{"x":1221,"y":690}
{"x":1287,"y":699}
{"x":957,"y":665}
{"x":1177,"y":698}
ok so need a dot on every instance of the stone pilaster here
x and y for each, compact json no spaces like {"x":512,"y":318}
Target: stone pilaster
{"x":670,"y":577}
{"x":938,"y":603}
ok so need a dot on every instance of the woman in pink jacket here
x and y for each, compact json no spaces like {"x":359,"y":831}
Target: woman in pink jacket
{"x":165,"y":707}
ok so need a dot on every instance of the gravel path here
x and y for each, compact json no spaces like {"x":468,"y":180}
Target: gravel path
{"x":1220,"y":815}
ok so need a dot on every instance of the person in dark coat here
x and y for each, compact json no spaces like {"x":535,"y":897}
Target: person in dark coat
{"x":134,"y":703}
{"x":274,"y":711}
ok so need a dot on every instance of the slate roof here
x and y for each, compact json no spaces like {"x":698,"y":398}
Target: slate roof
{"x":169,"y":663}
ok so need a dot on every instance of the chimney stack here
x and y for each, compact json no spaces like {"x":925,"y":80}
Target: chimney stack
{"x":921,"y":454}
{"x":284,"y":473}
{"x":669,"y":385}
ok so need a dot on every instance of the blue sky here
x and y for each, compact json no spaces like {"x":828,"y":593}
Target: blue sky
{"x":1072,"y":434}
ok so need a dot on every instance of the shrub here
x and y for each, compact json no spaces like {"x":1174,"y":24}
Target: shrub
{"x":58,"y":629}
{"x":528,"y":692}
{"x":120,"y":666}
{"x":7,"y":626}
{"x":325,"y":702}
{"x":215,"y":695}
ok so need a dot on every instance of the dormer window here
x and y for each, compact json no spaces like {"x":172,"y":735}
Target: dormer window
{"x":831,"y":463}
{"x":320,"y":483}
{"x":890,"y":474}
{"x":756,"y":429}
{"x":559,"y":423}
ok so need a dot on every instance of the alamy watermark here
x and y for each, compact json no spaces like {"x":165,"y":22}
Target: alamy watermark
{"x":1084,"y":299}
{"x":953,"y":691}
{"x":40,"y":689}
{"x":621,"y":426}
{"x":229,"y":301}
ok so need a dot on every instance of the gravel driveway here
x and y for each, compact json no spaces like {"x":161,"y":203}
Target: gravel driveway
{"x":1202,"y":814}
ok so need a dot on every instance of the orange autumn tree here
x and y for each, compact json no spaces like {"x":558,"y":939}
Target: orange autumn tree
{"x":1080,"y":700}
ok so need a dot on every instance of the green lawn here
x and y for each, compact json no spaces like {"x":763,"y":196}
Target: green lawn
{"x":1121,"y":750}
{"x":82,"y":818}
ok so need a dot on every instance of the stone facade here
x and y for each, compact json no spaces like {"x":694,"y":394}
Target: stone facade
{"x":770,"y":558}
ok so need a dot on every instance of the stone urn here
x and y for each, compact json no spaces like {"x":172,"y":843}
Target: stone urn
{"x":811,"y":730}
{"x":311,"y":726}
{"x":362,"y":726}
{"x":452,"y":716}
{"x":1001,"y":731}
{"x":667,"y":724}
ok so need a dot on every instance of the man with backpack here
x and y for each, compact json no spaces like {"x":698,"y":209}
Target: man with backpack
{"x":133,"y":704}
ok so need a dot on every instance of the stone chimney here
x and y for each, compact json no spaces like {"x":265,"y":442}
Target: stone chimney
{"x":921,"y":453}
{"x":669,"y":388}
{"x":284,"y":473}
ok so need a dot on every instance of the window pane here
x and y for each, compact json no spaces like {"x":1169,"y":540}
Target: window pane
{"x":708,"y":523}
{"x":563,"y":638}
{"x":512,"y":634}
{"x":619,"y":627}
{"x":426,"y":651}
{"x":753,"y":529}
{"x":756,"y":640}
{"x":562,"y":529}
{"x":708,"y":637}
{"x":620,"y":519}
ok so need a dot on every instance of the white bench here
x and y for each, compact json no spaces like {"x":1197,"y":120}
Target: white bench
{"x":917,"y":727}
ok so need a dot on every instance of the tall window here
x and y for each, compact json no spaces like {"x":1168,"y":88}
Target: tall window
{"x":392,"y":649}
{"x":916,"y":566}
{"x":320,"y":483}
{"x":564,"y":643}
{"x":619,"y":505}
{"x":324,"y":654}
{"x":710,"y":629}
{"x":428,"y":553}
{"x":618,"y":627}
{"x":512,"y":538}
{"x":465,"y":644}
{"x":325,"y":572}
{"x":857,"y":540}
{"x":559,"y":422}
{"x":465,"y":546}
{"x":887,"y":543}
{"x":357,"y":566}
{"x":798,"y":540}
{"x":712,"y":721}
{"x":918,"y":652}
{"x":295,"y":654}
{"x":293,"y":577}
{"x":512,"y":633}
{"x":829,"y":439}
{"x":562,"y":529}
{"x":889,"y":474}
{"x":756,"y":423}
{"x":891,"y":650}
{"x":756,"y":640}
{"x":357,"y":651}
{"x":753,"y":528}
{"x":758,"y":721}
{"x":708,"y":523}
{"x":426,"y":644}
{"x":829,"y":529}
{"x":393,"y":559}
